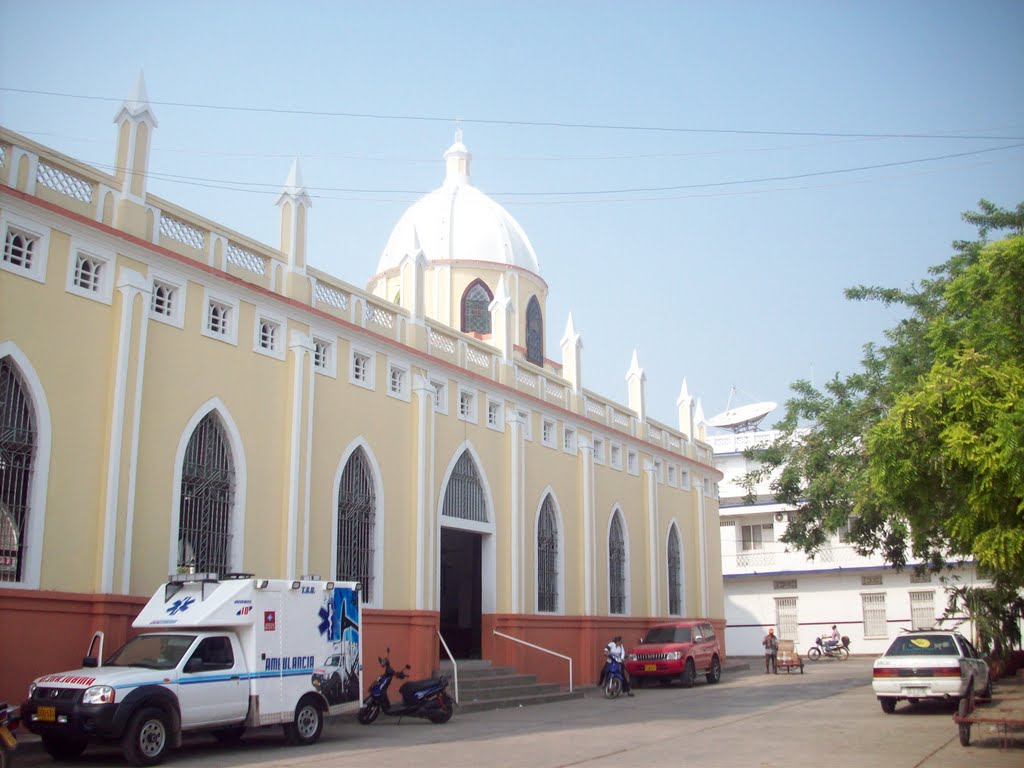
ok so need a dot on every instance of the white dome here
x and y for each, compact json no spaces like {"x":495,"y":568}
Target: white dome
{"x":458,"y":222}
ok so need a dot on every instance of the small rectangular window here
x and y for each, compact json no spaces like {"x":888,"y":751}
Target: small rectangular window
{"x":361,"y":371}
{"x":526,"y":419}
{"x":616,"y":456}
{"x":684,"y":479}
{"x":598,"y":450}
{"x":495,"y":418}
{"x":164,"y":298}
{"x":920,"y":578}
{"x":467,"y":406}
{"x":19,"y":248}
{"x":268,"y":335}
{"x":632,"y":462}
{"x":547,"y":432}
{"x":221,"y":318}
{"x":25,"y":246}
{"x":440,"y":395}
{"x":324,"y":356}
{"x":167,"y":300}
{"x":218,"y":318}
{"x":659,"y":471}
{"x":875,"y":622}
{"x":672,"y":475}
{"x":871,"y":581}
{"x":568,"y":440}
{"x":784,"y":584}
{"x":398,"y":381}
{"x":922,"y":610}
{"x":88,"y":270}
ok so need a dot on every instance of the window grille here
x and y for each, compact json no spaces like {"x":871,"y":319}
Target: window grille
{"x":784,"y":584}
{"x":218,"y":318}
{"x":321,"y":355}
{"x":534,"y":333}
{"x":616,"y":567}
{"x":440,"y":396}
{"x":494,"y":415}
{"x":922,"y":610}
{"x":397,"y":385}
{"x":599,"y":450}
{"x":873,"y":606}
{"x":675,"y":573}
{"x":164,"y":297}
{"x":87,"y":273}
{"x":476,"y":313}
{"x":616,"y":457}
{"x":207,"y":497}
{"x":871,"y":581}
{"x":467,"y":404}
{"x":920,"y":578}
{"x":569,"y":439}
{"x":464,"y":496}
{"x":547,"y":432}
{"x":632,"y":462}
{"x":357,"y":518}
{"x":18,"y":439}
{"x":268,"y":335}
{"x":19,"y":248}
{"x":360,"y":366}
{"x":786,"y":618}
{"x":547,"y":558}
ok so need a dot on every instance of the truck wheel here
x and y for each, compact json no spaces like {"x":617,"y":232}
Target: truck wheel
{"x":715,"y":673}
{"x":307,"y":725}
{"x":147,"y":739}
{"x":689,"y":674}
{"x":63,"y":747}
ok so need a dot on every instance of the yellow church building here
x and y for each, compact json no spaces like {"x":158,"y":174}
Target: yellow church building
{"x":175,"y":396}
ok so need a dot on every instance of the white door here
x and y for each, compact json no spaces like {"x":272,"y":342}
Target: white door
{"x":212,"y":687}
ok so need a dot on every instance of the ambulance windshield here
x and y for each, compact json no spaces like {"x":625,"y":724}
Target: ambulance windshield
{"x":152,"y":651}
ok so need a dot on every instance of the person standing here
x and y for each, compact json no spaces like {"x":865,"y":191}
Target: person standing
{"x":614,"y":650}
{"x":771,"y":651}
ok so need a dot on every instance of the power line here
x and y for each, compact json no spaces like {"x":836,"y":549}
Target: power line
{"x":247,"y":186}
{"x":520,"y":123}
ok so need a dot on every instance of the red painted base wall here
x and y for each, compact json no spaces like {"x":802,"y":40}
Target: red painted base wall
{"x":45,"y":632}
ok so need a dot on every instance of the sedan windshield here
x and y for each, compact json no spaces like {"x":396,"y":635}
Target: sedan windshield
{"x":152,"y":651}
{"x":668,"y":635}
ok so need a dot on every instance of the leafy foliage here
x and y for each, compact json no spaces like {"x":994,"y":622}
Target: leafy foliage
{"x":924,"y":446}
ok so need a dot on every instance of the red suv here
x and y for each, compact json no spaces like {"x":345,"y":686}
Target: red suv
{"x":678,"y":650}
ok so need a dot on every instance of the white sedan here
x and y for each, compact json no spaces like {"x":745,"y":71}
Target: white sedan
{"x":929,"y":664}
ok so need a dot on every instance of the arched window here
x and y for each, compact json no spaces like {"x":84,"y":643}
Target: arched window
{"x":616,"y":565}
{"x":18,"y":440}
{"x":534,"y":333}
{"x":464,"y":497}
{"x":476,"y":313}
{"x":207,"y":499}
{"x":357,"y":518}
{"x":675,"y":573}
{"x":547,"y":557}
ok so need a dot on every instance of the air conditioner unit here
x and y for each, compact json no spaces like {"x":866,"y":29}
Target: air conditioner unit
{"x":779,"y":517}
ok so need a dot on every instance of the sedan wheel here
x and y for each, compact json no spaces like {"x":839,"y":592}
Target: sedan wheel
{"x":888,"y":704}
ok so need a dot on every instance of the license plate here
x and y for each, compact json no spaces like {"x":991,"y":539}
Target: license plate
{"x":7,"y":738}
{"x":46,"y":714}
{"x":915,"y":691}
{"x":650,"y":667}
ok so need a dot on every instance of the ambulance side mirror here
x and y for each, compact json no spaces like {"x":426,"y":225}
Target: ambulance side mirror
{"x":90,"y":661}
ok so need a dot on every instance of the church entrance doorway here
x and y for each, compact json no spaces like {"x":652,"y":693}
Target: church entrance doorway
{"x":461,"y":591}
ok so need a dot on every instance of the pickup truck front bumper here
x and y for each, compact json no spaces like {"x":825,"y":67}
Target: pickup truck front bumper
{"x":64,"y":715}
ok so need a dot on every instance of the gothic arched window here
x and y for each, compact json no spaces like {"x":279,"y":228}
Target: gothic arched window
{"x":534,"y":333}
{"x":464,"y":497}
{"x":207,"y":499}
{"x":18,"y":440}
{"x":476,"y":312}
{"x":616,"y":565}
{"x":675,"y":573}
{"x":547,"y":557}
{"x":357,"y":518}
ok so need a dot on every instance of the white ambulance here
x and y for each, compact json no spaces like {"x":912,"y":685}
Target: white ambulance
{"x":228,"y":653}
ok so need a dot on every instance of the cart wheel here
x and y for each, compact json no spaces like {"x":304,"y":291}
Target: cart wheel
{"x":965,"y":728}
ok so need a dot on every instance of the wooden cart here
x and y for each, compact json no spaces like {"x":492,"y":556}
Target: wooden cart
{"x":1005,"y":712}
{"x":788,"y":658}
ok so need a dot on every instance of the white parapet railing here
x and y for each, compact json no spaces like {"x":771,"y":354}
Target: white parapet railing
{"x":455,"y":667}
{"x":539,"y":648}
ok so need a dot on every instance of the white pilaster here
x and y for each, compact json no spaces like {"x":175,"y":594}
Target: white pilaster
{"x":652,"y":535}
{"x":587,"y":455}
{"x":301,"y":347}
{"x":424,"y":408}
{"x":515,"y":432}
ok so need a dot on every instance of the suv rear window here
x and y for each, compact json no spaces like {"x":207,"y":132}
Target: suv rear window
{"x":923,"y":645}
{"x":668,"y":635}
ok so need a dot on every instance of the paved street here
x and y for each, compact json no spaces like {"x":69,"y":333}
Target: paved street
{"x":827,"y":716}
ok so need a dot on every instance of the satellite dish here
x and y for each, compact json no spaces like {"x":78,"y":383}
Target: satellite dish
{"x":745,"y":418}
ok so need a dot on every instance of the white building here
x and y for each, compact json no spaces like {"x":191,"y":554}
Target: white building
{"x":767,"y":585}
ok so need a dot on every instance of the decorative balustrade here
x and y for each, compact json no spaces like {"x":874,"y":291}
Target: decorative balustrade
{"x":331,"y":296}
{"x":478,"y":358}
{"x":64,"y":182}
{"x":379,"y":316}
{"x":246,"y":259}
{"x":620,"y":419}
{"x":526,"y":379}
{"x":775,"y":557}
{"x":554,"y":392}
{"x":183,"y":232}
{"x":439,"y":341}
{"x":654,"y":434}
{"x":595,"y":410}
{"x":3,"y":155}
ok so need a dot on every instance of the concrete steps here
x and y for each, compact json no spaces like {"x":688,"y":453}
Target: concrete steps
{"x":482,"y":686}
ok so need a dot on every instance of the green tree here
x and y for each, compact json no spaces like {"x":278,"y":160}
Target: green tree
{"x":924,"y":446}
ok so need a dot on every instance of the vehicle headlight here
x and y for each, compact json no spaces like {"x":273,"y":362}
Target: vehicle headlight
{"x":674,"y":655}
{"x":631,"y":657}
{"x":31,"y":690}
{"x":98,"y":694}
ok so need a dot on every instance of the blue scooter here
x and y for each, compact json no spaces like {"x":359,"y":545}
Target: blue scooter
{"x":614,"y":679}
{"x":428,"y":699}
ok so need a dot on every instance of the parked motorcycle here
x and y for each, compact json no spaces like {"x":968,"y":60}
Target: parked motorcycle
{"x":428,"y":699}
{"x":819,"y":649}
{"x":614,"y":680}
{"x":9,"y":720}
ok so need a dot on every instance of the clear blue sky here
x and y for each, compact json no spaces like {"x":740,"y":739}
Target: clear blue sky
{"x":727,"y":284}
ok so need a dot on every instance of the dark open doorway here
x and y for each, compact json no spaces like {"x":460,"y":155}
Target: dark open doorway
{"x":460,"y":592}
